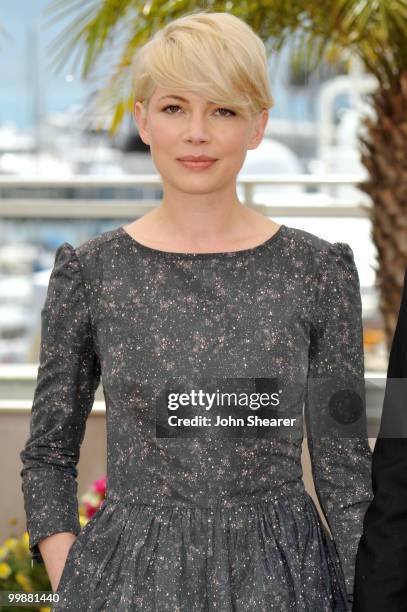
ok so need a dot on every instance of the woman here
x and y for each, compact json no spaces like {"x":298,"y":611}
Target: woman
{"x":381,"y":562}
{"x":200,"y":291}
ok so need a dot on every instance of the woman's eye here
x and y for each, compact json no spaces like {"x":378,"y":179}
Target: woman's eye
{"x":170,"y":106}
{"x":232,"y":113}
{"x":228,"y":111}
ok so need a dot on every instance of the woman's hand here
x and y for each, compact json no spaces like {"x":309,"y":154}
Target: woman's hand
{"x":54,"y":550}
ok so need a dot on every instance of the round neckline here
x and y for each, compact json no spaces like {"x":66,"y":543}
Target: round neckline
{"x":193,"y":255}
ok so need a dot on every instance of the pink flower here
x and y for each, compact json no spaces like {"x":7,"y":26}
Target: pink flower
{"x":99,"y":486}
{"x":89,"y":509}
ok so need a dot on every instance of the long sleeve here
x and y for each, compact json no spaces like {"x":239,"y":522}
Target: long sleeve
{"x":381,"y":564}
{"x":68,"y":376}
{"x":335,"y":410}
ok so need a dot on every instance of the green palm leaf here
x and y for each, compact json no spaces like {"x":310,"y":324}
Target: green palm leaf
{"x":374,"y":30}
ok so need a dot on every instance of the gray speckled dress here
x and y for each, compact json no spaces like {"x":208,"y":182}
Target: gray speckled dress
{"x":197,"y":524}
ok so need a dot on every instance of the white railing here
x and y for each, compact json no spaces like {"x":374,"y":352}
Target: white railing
{"x":56,"y":207}
{"x":127,"y":180}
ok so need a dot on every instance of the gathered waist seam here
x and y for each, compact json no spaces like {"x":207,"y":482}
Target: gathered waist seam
{"x":278,"y":495}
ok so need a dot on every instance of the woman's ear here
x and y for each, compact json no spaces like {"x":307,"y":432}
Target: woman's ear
{"x":140,"y":117}
{"x":258,"y":129}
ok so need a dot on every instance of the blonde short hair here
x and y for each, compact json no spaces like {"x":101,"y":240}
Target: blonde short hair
{"x":214,"y":54}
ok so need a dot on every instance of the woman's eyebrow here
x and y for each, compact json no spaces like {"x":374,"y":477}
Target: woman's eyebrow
{"x":174,"y":96}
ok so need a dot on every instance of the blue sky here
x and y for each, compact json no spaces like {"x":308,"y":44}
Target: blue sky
{"x":23,"y":19}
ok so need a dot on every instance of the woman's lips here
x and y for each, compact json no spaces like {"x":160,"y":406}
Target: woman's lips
{"x":197,"y":164}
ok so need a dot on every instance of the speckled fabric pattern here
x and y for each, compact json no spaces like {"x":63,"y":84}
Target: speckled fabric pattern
{"x":193,"y":524}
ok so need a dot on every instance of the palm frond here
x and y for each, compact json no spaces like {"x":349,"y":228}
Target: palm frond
{"x":374,"y":30}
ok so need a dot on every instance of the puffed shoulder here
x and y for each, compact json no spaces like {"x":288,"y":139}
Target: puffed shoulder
{"x":66,"y":284}
{"x":66,"y":255}
{"x":336,"y":278}
{"x":338,"y":260}
{"x":342,"y":253}
{"x":66,"y":263}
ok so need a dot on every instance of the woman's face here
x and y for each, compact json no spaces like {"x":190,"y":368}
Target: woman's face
{"x":175,"y":128}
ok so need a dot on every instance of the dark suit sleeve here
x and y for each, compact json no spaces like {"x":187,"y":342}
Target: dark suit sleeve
{"x":381,"y":564}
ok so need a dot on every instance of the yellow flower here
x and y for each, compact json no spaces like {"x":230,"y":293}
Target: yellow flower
{"x":10,"y":543}
{"x":82,"y":520}
{"x":24,"y":581}
{"x":5,"y":570}
{"x":45,"y":609}
{"x":25,"y":540}
{"x":20,"y":551}
{"x":3,"y":552}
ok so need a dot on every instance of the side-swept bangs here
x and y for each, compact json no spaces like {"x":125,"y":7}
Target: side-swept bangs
{"x":213,"y":54}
